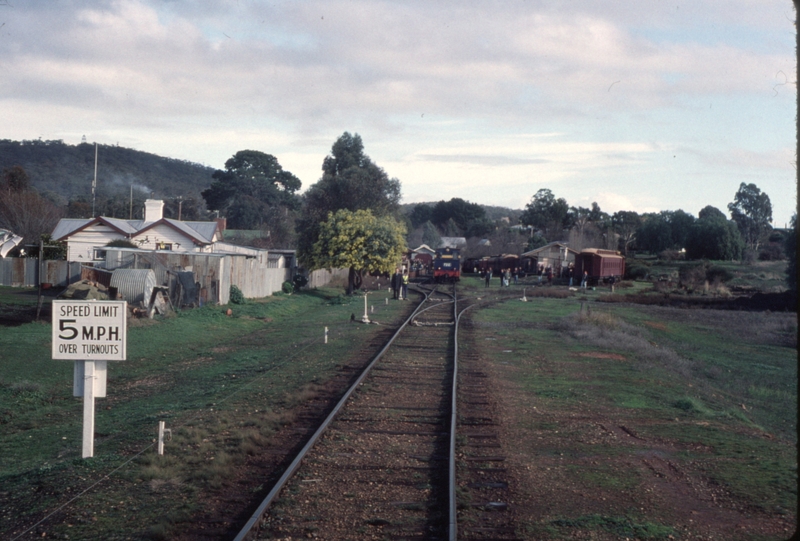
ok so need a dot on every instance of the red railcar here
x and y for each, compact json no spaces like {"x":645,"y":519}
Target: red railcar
{"x":601,"y":265}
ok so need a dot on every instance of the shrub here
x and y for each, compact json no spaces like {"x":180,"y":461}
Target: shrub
{"x":287,"y":287}
{"x":772,"y":252}
{"x":692,"y":276}
{"x":671,"y":255}
{"x":637,"y":271}
{"x":716,"y":273}
{"x":236,"y":296}
{"x":122,"y":243}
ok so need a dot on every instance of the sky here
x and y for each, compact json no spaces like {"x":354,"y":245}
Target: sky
{"x":643,"y":105}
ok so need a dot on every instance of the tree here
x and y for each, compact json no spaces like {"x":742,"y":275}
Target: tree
{"x":714,"y":237}
{"x":430,"y":235}
{"x":358,"y":241}
{"x":752,"y":211}
{"x":535,"y":241}
{"x":350,"y":181}
{"x":680,"y":224}
{"x":790,"y":248}
{"x":22,"y":210}
{"x":709,"y":212}
{"x":420,"y":214}
{"x":666,"y":230}
{"x":579,"y":218}
{"x":546,"y":213}
{"x":14,"y":179}
{"x":465,"y":215}
{"x":625,"y":223}
{"x":251,"y":184}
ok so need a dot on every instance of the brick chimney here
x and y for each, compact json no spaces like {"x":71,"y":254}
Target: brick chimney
{"x":153,"y":210}
{"x":222,"y":223}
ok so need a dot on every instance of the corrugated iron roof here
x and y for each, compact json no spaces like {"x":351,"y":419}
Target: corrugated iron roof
{"x":200,"y":232}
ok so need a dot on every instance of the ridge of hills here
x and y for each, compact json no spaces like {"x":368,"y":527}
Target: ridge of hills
{"x":63,"y":172}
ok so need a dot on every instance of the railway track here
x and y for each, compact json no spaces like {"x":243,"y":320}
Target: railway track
{"x":384,"y":464}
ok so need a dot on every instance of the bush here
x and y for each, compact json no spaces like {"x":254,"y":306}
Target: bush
{"x":671,"y":255}
{"x":718,"y":274}
{"x":637,"y":272}
{"x":236,"y":296}
{"x":299,"y":281}
{"x":772,"y":252}
{"x":287,"y":287}
{"x":692,"y":276}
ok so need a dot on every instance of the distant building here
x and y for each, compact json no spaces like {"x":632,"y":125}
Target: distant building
{"x":85,"y":238}
{"x":422,"y":255}
{"x":556,"y":255}
{"x":452,"y":242}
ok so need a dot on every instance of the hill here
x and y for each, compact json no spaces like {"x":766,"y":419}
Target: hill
{"x":64,"y":172}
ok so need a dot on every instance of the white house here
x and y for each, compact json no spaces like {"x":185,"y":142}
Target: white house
{"x":85,"y":238}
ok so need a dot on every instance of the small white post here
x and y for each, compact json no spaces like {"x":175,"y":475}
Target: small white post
{"x":386,"y":300}
{"x":371,"y":308}
{"x":88,"y":409}
{"x":524,"y":299}
{"x":326,"y":335}
{"x":365,"y":319}
{"x":161,"y":433}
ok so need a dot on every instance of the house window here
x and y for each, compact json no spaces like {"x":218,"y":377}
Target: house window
{"x":98,"y":254}
{"x":164,"y":246}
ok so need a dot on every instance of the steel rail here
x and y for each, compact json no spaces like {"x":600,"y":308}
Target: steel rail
{"x":453,"y":511}
{"x":295,"y":465}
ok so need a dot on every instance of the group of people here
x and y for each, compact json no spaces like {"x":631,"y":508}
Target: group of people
{"x":400,"y":284}
{"x":506,"y":276}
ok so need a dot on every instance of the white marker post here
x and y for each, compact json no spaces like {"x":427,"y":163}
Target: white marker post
{"x":89,"y":333}
{"x":365,"y":319}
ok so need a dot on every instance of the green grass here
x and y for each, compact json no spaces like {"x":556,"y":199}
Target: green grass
{"x":620,"y":526}
{"x":223,"y":384}
{"x":721,"y":382}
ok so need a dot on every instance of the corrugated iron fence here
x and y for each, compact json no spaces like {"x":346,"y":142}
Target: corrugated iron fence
{"x":24,"y":272}
{"x":213,"y":273}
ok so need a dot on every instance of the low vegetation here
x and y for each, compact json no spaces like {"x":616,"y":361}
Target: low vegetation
{"x":651,"y":414}
{"x":224,"y":384}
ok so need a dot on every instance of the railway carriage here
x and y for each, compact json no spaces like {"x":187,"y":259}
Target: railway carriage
{"x":447,"y":265}
{"x":601,"y":265}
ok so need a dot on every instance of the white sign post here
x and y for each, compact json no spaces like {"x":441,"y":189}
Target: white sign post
{"x":89,"y":333}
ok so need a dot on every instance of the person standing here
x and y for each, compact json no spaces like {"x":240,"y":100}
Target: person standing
{"x":405,"y":286}
{"x":397,"y":280}
{"x":585,"y":279}
{"x":487,"y":277}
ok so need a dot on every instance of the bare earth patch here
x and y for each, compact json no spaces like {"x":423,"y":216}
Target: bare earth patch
{"x":602,"y":355}
{"x":656,"y":325}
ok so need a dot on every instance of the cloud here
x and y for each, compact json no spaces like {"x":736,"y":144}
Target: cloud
{"x":460,"y":94}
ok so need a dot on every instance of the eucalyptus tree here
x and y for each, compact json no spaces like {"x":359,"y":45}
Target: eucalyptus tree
{"x":751,"y":209}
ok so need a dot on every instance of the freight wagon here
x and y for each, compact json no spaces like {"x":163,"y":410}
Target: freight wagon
{"x":601,"y":265}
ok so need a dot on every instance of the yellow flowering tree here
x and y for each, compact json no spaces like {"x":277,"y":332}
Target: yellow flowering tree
{"x":358,"y":241}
